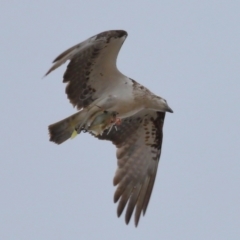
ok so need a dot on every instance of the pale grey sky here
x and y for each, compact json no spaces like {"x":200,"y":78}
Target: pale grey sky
{"x":185,"y":51}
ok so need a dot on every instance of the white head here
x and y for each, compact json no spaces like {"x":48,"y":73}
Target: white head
{"x":160,"y":104}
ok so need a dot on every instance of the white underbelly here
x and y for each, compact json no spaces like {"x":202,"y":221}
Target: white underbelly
{"x":125,"y":109}
{"x":122,"y":101}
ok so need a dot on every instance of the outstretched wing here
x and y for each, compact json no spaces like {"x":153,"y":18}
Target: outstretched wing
{"x":92,"y":68}
{"x":138,"y":140}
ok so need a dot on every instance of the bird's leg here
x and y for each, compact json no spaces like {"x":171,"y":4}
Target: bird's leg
{"x":118,"y":121}
{"x":90,"y":116}
{"x":100,"y":114}
{"x":93,"y":113}
{"x":114,"y":122}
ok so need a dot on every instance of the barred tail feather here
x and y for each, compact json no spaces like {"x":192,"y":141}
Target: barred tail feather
{"x":61,"y":131}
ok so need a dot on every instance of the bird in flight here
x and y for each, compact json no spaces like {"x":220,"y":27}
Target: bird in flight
{"x":114,"y":107}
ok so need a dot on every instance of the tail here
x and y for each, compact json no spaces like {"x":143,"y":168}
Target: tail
{"x":61,"y":131}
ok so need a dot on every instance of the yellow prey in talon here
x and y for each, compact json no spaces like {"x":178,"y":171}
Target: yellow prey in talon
{"x":74,"y":134}
{"x":103,"y":121}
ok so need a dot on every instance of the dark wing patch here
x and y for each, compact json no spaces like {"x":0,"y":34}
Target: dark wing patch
{"x":79,"y":89}
{"x":138,"y":141}
{"x":87,"y":71}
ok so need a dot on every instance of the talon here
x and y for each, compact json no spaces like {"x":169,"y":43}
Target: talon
{"x":118,"y":121}
{"x":115,"y":120}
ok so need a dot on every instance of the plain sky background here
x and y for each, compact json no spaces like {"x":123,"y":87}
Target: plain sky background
{"x":185,"y":51}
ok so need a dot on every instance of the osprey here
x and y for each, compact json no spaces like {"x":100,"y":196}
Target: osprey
{"x":114,"y":107}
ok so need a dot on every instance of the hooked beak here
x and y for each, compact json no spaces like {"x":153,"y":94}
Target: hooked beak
{"x":168,"y":109}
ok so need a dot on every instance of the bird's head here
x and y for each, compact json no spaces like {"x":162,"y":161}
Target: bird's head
{"x":160,"y":104}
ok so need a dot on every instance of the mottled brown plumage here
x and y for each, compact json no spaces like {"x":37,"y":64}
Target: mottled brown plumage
{"x":136,"y":171}
{"x":105,"y":96}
